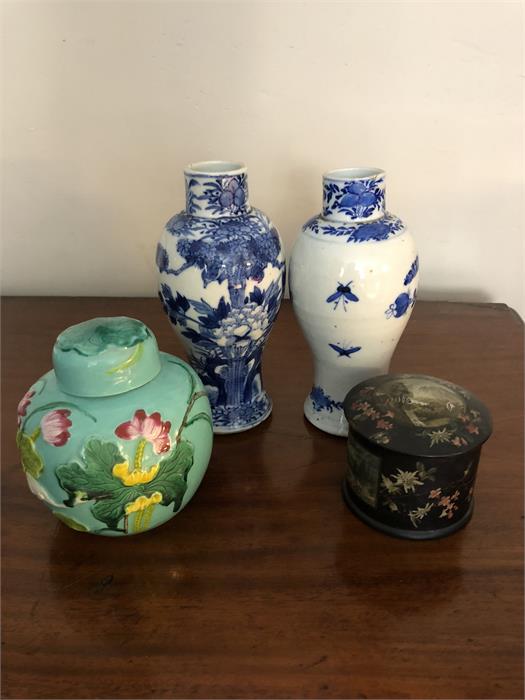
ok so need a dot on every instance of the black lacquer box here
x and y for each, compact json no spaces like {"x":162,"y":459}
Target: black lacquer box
{"x":414,"y":444}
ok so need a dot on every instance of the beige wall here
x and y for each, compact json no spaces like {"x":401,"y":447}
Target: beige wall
{"x":104,"y":103}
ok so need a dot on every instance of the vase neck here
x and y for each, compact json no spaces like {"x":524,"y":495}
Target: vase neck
{"x":354,"y":195}
{"x":216,"y":189}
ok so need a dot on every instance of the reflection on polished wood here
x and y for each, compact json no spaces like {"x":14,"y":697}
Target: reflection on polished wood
{"x":266,"y":585}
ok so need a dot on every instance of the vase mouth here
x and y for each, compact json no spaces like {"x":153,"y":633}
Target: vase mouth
{"x":215,"y":167}
{"x":354,"y":195}
{"x":353,"y":174}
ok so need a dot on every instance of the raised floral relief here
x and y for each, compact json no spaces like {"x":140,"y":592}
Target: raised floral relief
{"x":25,"y":401}
{"x":125,"y":487}
{"x":150,"y":429}
{"x":53,"y":428}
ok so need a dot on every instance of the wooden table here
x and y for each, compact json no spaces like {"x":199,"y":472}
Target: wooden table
{"x":266,"y":586}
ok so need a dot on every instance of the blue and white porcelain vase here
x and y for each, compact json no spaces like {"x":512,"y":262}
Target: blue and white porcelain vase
{"x":221,"y":268}
{"x":353,"y":280}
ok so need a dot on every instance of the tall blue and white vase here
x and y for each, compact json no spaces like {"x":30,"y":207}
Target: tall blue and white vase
{"x":353,"y":279}
{"x":221,"y":269}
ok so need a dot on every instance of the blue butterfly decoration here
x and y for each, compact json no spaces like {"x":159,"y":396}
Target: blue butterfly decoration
{"x":342,"y":293}
{"x":344,"y":352}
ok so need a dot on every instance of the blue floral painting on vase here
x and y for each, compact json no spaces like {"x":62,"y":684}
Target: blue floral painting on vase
{"x":357,"y":199}
{"x":321,"y":401}
{"x":364,"y":232}
{"x":226,"y":340}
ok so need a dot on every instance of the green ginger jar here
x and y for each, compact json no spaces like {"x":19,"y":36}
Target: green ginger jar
{"x":117,"y":438}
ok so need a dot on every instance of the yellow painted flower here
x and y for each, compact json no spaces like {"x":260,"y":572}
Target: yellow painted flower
{"x":143,"y":502}
{"x":136,"y":476}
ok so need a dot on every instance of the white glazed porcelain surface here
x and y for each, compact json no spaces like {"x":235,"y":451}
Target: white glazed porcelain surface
{"x":353,"y":288}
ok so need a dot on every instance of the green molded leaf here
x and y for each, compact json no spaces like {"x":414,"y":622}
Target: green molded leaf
{"x":112,"y":509}
{"x":96,"y":478}
{"x":29,"y":457}
{"x":102,"y":454}
{"x":70,"y":522}
{"x":171,"y":477}
{"x":94,"y":336}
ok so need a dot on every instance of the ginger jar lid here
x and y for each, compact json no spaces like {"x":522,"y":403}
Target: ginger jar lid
{"x":418,"y":415}
{"x":105,"y":357}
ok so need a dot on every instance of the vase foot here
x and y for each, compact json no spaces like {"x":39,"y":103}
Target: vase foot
{"x":237,"y":419}
{"x":330,"y":421}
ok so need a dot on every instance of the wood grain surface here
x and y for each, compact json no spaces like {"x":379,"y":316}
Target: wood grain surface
{"x":266,"y":586}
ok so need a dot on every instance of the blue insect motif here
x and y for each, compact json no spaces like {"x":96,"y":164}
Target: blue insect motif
{"x":401,"y":305}
{"x":342,"y":293}
{"x":344,"y":352}
{"x":414,"y":268}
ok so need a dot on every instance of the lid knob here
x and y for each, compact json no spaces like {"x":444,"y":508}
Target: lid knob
{"x":105,"y":356}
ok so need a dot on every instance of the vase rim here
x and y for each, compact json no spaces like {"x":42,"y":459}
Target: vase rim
{"x":353,"y":174}
{"x":215,"y":167}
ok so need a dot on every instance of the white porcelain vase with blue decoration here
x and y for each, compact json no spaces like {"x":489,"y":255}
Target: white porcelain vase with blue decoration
{"x":221,"y":269}
{"x":353,"y":279}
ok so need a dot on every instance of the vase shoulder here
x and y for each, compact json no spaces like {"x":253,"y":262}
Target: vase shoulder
{"x":383,"y":229}
{"x":252,"y":221}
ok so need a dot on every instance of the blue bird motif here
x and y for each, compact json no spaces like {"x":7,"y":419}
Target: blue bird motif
{"x":344,"y":352}
{"x":342,"y":293}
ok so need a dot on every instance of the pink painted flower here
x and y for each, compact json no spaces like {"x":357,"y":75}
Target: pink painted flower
{"x":54,"y":426}
{"x":435,"y":493}
{"x":473,"y":429}
{"x":151,"y":428}
{"x":383,"y":424}
{"x":24,"y":403}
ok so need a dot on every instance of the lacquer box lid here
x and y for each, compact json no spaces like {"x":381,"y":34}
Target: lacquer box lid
{"x":417,"y":415}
